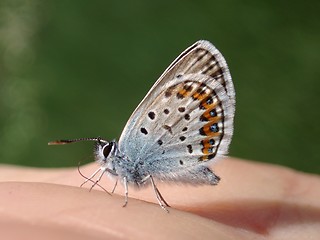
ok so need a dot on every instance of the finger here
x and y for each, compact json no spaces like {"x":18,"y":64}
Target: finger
{"x":39,"y":209}
{"x":252,"y":196}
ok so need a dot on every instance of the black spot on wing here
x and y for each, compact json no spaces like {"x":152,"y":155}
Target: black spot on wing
{"x":166,"y":111}
{"x":151,"y":115}
{"x":189,"y":147}
{"x":181,"y":109}
{"x":182,"y":138}
{"x":144,"y":131}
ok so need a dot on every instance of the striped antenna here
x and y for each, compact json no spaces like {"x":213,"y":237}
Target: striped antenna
{"x":61,"y":142}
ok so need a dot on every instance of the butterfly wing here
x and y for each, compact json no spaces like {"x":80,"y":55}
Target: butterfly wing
{"x":186,"y":119}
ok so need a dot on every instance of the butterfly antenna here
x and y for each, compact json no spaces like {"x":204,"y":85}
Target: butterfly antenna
{"x":66,"y":141}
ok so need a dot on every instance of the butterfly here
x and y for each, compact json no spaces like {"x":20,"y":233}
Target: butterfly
{"x":183,"y":125}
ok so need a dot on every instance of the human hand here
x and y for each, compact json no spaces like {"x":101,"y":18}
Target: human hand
{"x":252,"y":201}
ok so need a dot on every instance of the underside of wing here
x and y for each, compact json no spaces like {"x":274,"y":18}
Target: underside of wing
{"x":187,"y":116}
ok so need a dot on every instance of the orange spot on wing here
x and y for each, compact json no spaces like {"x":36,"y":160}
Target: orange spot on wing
{"x":200,"y":95}
{"x":206,"y":145}
{"x":205,"y":105}
{"x":183,"y":92}
{"x":207,"y":131}
{"x":208,"y":117}
{"x":206,"y":157}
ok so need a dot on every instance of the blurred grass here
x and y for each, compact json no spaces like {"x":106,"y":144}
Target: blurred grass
{"x":73,"y":69}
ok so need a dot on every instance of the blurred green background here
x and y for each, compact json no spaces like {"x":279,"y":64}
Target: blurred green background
{"x":74,"y":69}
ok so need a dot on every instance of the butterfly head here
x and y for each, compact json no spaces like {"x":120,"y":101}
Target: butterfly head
{"x":104,"y":151}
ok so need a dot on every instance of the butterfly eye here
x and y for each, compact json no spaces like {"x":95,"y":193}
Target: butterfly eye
{"x":107,"y":149}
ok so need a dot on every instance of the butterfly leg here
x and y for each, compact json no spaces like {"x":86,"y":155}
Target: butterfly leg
{"x":114,"y":188}
{"x":90,"y":178}
{"x":125,"y":182}
{"x":159,"y":197}
{"x":103,"y":171}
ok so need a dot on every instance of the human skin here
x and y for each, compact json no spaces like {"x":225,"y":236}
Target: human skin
{"x":252,"y":201}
